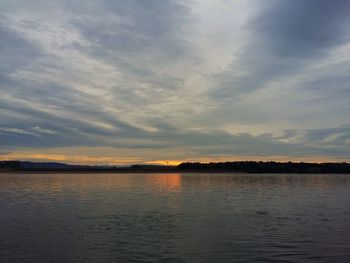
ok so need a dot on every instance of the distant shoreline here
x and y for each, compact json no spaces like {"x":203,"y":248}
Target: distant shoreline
{"x":114,"y":172}
{"x":219,"y":167}
{"x":151,"y":172}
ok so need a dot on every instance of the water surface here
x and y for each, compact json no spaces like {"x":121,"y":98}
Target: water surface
{"x":174,"y":218}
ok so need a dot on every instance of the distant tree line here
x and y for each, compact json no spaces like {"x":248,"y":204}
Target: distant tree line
{"x":10,"y":164}
{"x":242,"y":166}
{"x":53,"y":166}
{"x":267,"y":167}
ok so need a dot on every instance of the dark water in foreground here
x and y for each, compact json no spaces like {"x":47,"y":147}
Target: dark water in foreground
{"x":174,"y":218}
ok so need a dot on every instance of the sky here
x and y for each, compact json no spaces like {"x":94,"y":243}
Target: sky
{"x":166,"y":81}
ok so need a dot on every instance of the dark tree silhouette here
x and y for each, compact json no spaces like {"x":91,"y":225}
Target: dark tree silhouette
{"x":267,"y":167}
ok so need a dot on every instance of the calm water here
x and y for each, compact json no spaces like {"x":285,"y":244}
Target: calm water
{"x":174,"y":218}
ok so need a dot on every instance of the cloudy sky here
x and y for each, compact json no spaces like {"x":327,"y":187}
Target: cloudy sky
{"x":133,"y":81}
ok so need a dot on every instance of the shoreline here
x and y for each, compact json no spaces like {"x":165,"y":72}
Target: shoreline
{"x":252,"y":167}
{"x":153,"y":172}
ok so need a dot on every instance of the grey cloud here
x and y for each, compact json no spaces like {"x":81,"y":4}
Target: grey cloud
{"x":321,"y":135}
{"x":302,"y":28}
{"x":15,"y":51}
{"x":334,"y":83}
{"x":136,"y":26}
{"x":139,"y":39}
{"x":284,"y":38}
{"x":167,"y":137}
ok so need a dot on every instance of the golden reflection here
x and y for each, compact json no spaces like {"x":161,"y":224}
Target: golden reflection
{"x":168,"y":181}
{"x":83,"y":182}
